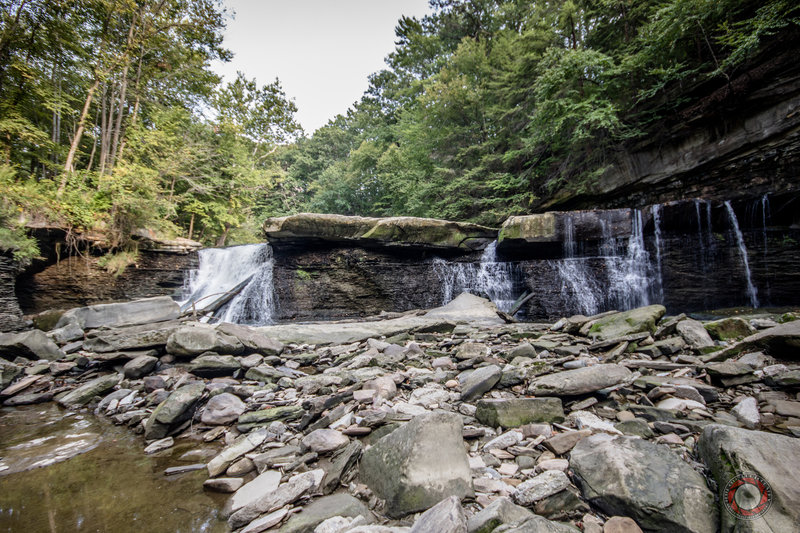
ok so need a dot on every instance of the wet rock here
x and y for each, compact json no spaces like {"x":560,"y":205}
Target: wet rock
{"x":86,"y":392}
{"x":32,"y":344}
{"x":139,"y":367}
{"x":694,"y":334}
{"x":145,"y":311}
{"x":324,"y":441}
{"x":210,"y":365}
{"x":446,"y":516}
{"x":285,"y":494}
{"x":540,"y":487}
{"x":222,"y":409}
{"x":499,"y":512}
{"x":729,"y":328}
{"x":197,"y":339}
{"x":648,"y":482}
{"x":628,"y":322}
{"x":579,"y":381}
{"x":516,"y":412}
{"x":223,"y":484}
{"x":159,"y":445}
{"x":418,"y":464}
{"x":177,"y":408}
{"x":728,"y":451}
{"x":480,"y":381}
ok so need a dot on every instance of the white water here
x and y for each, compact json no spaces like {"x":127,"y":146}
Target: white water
{"x":221,"y":270}
{"x":489,"y":278}
{"x":752,"y":293}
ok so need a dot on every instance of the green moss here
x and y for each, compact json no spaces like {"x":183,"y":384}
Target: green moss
{"x":302,"y":274}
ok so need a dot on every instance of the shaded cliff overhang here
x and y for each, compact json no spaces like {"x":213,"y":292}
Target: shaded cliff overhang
{"x":313,"y":229}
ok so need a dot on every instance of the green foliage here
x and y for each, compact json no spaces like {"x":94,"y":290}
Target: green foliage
{"x":116,"y":263}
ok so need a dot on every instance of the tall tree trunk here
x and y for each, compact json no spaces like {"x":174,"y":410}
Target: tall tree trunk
{"x":77,"y":139}
{"x":224,"y":236}
{"x":191,"y":227}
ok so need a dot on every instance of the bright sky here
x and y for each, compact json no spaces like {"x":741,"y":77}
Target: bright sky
{"x":321,"y":50}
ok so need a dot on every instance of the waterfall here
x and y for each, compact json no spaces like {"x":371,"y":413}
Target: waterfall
{"x":752,"y":293}
{"x":629,"y":276}
{"x":222,"y":271}
{"x":490,"y":277}
{"x":656,"y":209}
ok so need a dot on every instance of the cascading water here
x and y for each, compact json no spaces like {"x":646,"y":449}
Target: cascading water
{"x":489,"y":277}
{"x":656,"y":210}
{"x":630,"y":279}
{"x":752,"y":292}
{"x":224,"y":271}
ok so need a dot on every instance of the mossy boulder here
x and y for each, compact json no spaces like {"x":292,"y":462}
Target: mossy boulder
{"x":516,"y":412}
{"x":729,"y":328}
{"x":627,"y":323}
{"x":408,"y":232}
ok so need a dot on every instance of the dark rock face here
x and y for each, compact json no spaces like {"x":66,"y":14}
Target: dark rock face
{"x":10,"y":313}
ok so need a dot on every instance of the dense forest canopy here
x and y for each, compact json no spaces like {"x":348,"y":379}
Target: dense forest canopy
{"x":112,"y":120}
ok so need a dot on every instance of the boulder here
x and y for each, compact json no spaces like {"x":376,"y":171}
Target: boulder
{"x":446,"y":516}
{"x":211,"y":365}
{"x":516,"y":412}
{"x":579,"y":381}
{"x":86,"y":392}
{"x":68,"y":333}
{"x":222,"y":409}
{"x":626,"y":323}
{"x":394,"y":232}
{"x":252,"y":340}
{"x":648,"y":482}
{"x":139,"y":367}
{"x":467,"y":308}
{"x":501,"y":511}
{"x":197,"y":339}
{"x":729,"y":328}
{"x":551,"y":227}
{"x":781,"y":341}
{"x":176,"y":409}
{"x":8,"y":371}
{"x":479,"y":381}
{"x":419,"y":464}
{"x":130,"y":338}
{"x":323,"y":441}
{"x":145,"y":311}
{"x":694,"y":334}
{"x":323,"y":508}
{"x":729,"y":451}
{"x":32,"y":344}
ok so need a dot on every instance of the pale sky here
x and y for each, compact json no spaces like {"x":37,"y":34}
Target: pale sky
{"x":321,"y":50}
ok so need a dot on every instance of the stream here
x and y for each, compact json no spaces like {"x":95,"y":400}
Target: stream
{"x":62,"y":471}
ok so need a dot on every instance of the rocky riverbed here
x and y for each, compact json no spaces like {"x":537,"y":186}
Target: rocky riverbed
{"x":450,"y":420}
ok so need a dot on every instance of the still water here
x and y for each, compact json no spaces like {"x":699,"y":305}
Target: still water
{"x":65,"y":472}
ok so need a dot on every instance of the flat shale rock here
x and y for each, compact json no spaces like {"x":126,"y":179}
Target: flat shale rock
{"x":446,"y":516}
{"x":200,"y":338}
{"x":646,"y":481}
{"x":323,"y":508}
{"x":627,"y":323}
{"x":480,"y":381}
{"x":417,"y":465}
{"x":84,"y":394}
{"x":729,"y":451}
{"x":516,"y":412}
{"x":579,"y":381}
{"x":144,"y":311}
{"x":499,"y":512}
{"x":139,"y":367}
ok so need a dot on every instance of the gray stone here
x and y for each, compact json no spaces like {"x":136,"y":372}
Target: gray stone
{"x":341,"y":466}
{"x":177,"y":408}
{"x":480,"y":381}
{"x":272,"y":501}
{"x":730,"y":328}
{"x":561,"y":443}
{"x":501,"y":511}
{"x":539,"y":487}
{"x":288,"y":412}
{"x":34,"y":344}
{"x":516,"y":412}
{"x":222,"y":409}
{"x":242,"y":445}
{"x":628,"y":322}
{"x":579,"y":381}
{"x":323,"y":508}
{"x":694,"y":334}
{"x":139,"y":367}
{"x":200,"y":338}
{"x":266,"y":482}
{"x":471,"y":350}
{"x":252,"y":340}
{"x":418,"y":464}
{"x":746,"y":412}
{"x":129,"y":338}
{"x":145,"y":311}
{"x":537,"y":524}
{"x":223,"y":484}
{"x":159,"y":445}
{"x":68,"y":333}
{"x":636,"y":427}
{"x":648,"y":482}
{"x":324,"y":441}
{"x":212,"y":365}
{"x":86,"y":392}
{"x":523,"y":350}
{"x":782,"y":341}
{"x":446,"y":516}
{"x":729,"y":451}
{"x":8,"y":371}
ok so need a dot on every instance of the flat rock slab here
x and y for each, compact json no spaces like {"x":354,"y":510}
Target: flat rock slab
{"x":446,"y":516}
{"x":145,"y":311}
{"x":323,"y":508}
{"x":729,"y":451}
{"x":516,"y":412}
{"x":32,"y":344}
{"x":579,"y":381}
{"x":628,"y":322}
{"x":645,"y":481}
{"x":781,"y":341}
{"x":419,"y":464}
{"x":501,"y":511}
{"x":84,"y":394}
